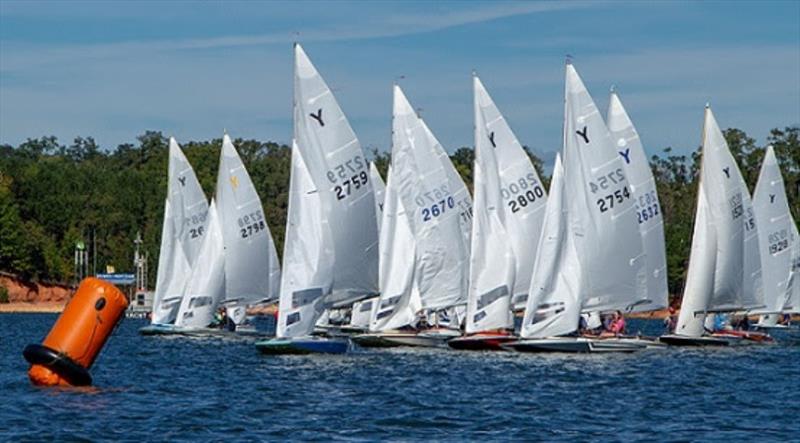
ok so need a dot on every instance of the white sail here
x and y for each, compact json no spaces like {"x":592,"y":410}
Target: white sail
{"x":187,"y":201}
{"x":601,"y":214}
{"x":426,"y":193}
{"x":249,"y":248}
{"x":737,"y":278}
{"x":173,"y":272}
{"x":362,"y":312}
{"x":340,"y":173}
{"x":492,"y":263}
{"x":553,"y":306}
{"x":307,"y":262}
{"x":206,"y":287}
{"x":399,"y":299}
{"x":700,"y":274}
{"x":379,"y":189}
{"x":777,"y":233}
{"x":458,"y":188}
{"x":522,"y":195}
{"x":648,"y":210}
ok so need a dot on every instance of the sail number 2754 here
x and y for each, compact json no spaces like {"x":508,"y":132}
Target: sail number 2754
{"x":606,"y":184}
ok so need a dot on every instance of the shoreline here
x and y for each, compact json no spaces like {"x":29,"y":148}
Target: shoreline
{"x":31,"y":308}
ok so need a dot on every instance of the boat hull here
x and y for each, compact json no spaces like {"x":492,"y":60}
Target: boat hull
{"x":373,"y":340}
{"x":302,"y":346}
{"x":482,"y":342}
{"x":743,"y":337}
{"x":432,"y":338}
{"x":682,"y":340}
{"x":575,"y":345}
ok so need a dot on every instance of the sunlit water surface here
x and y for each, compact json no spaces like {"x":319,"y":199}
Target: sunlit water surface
{"x":156,"y":388}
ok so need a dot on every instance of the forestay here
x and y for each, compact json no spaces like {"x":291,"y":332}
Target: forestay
{"x":399,"y":299}
{"x":553,"y":306}
{"x":206,"y":287}
{"x":492,"y":263}
{"x":522,"y":195}
{"x":601,"y":214}
{"x":251,"y":267}
{"x":307,"y":261}
{"x":427,"y":195}
{"x":340,"y":173}
{"x":778,"y":240}
{"x":648,"y":210}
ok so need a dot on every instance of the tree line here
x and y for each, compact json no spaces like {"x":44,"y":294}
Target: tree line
{"x":53,"y":195}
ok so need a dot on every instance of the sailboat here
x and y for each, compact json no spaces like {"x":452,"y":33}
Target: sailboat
{"x":779,"y":244}
{"x":206,"y":286}
{"x":182,"y":233}
{"x":252,"y":271}
{"x":590,"y":253}
{"x":724,"y":272}
{"x":331,"y":248}
{"x":423,"y":259}
{"x":508,"y":212}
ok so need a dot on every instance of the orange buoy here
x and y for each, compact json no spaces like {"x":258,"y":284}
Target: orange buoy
{"x":77,"y":336}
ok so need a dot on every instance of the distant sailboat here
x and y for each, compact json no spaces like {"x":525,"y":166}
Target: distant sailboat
{"x":779,"y":245}
{"x":591,"y":262}
{"x":338,"y":263}
{"x":724,"y":272}
{"x":182,"y":234}
{"x":252,"y":271}
{"x":507,"y":221}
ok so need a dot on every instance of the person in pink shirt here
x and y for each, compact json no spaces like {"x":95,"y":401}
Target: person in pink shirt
{"x":618,"y":324}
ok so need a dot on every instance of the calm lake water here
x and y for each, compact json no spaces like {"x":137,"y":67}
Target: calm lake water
{"x":151,"y":388}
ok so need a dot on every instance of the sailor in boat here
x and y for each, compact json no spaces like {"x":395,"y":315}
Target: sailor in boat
{"x":671,"y":320}
{"x":617,"y":324}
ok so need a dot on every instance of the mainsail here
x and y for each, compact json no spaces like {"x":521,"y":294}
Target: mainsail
{"x":492,"y":265}
{"x":648,"y":209}
{"x":724,"y":266}
{"x":206,"y":287}
{"x":600,"y":208}
{"x":778,"y":241}
{"x":427,"y":194}
{"x":522,"y":195}
{"x":340,"y":173}
{"x":307,"y":262}
{"x":251,"y":268}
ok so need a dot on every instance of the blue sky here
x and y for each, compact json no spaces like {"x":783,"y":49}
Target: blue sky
{"x":115,"y":69}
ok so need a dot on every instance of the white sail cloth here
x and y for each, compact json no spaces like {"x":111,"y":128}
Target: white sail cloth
{"x":307,"y":263}
{"x":206,"y":287}
{"x":778,"y":241}
{"x":724,"y":266}
{"x":553,"y":306}
{"x":185,"y":220}
{"x":379,"y":189}
{"x":399,"y":299}
{"x":429,"y":199}
{"x":340,"y":173}
{"x":648,"y":209}
{"x":522,"y":197}
{"x":252,"y":272}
